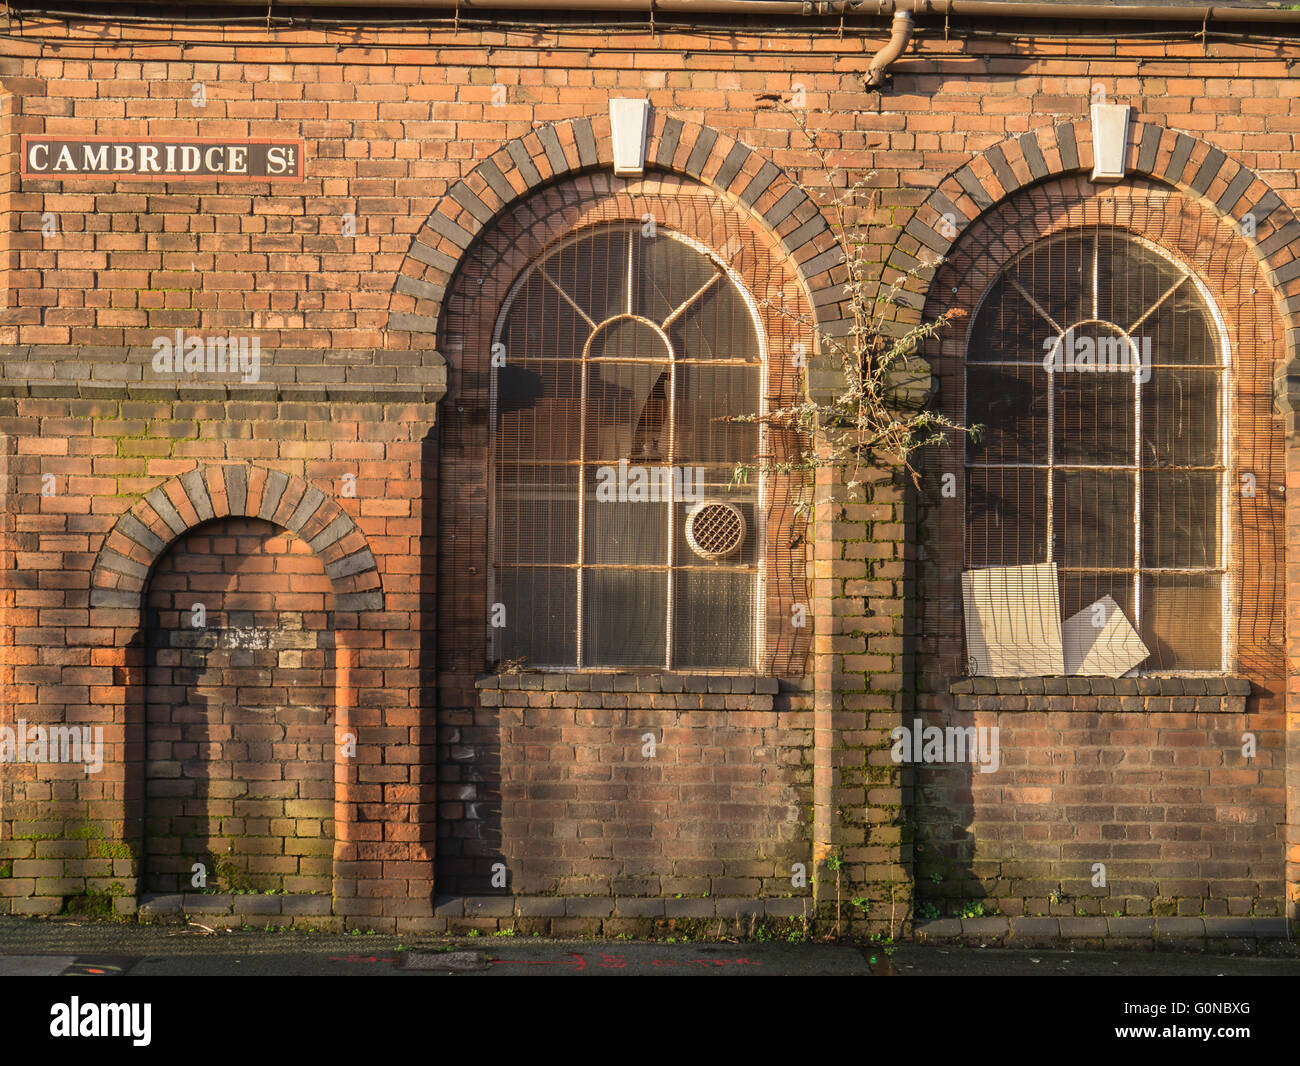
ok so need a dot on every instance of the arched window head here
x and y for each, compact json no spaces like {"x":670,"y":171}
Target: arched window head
{"x":618,"y":539}
{"x":1097,"y":367}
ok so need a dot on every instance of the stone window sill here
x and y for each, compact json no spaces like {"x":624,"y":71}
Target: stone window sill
{"x":605,"y":682}
{"x":1100,"y":686}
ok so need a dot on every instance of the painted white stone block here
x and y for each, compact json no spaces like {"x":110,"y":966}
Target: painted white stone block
{"x":1109,"y":140}
{"x":629,"y":119}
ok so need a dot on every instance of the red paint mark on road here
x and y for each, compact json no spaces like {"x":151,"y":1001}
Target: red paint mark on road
{"x":358,"y":958}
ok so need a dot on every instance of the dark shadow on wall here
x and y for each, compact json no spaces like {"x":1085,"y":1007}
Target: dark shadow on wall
{"x":464,"y":783}
{"x":942,"y":808}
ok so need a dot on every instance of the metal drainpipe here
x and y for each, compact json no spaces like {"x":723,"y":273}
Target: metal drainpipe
{"x":900,"y":34}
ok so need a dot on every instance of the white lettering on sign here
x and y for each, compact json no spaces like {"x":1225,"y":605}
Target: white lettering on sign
{"x":161,"y":159}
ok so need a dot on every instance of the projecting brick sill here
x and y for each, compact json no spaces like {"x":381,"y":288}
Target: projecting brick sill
{"x":560,"y":681}
{"x":1181,"y":930}
{"x":203,"y":903}
{"x":617,"y":907}
{"x":1100,"y":686}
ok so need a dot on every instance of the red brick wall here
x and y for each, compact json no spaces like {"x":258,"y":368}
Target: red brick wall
{"x":392,"y":120}
{"x":622,"y":786}
{"x":239,"y":727}
{"x":1155,"y":788}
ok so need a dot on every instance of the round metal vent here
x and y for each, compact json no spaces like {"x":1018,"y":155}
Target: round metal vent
{"x":715,"y":529}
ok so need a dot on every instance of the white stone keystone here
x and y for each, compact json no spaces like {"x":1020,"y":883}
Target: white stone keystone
{"x":1109,"y":140}
{"x":629,"y":120}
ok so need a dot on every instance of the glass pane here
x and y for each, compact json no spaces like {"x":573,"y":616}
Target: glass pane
{"x":628,"y":338}
{"x":1182,"y":621}
{"x":1093,"y":518}
{"x":706,"y":396}
{"x":627,"y":514}
{"x":541,"y":622}
{"x":717,"y":326}
{"x":1180,"y":517}
{"x":1131,"y":279}
{"x":1059,"y":278}
{"x":667,"y":272}
{"x":1181,"y":331}
{"x":713,"y":625}
{"x":536,"y":514}
{"x":627,"y":412}
{"x":1008,"y":328}
{"x":1006,"y":517}
{"x":1094,"y":418}
{"x":1011,"y":404}
{"x":538,"y":406}
{"x":594,"y":272}
{"x":625,"y":617}
{"x":1080,"y":590}
{"x":542,"y":324}
{"x":1180,"y":418}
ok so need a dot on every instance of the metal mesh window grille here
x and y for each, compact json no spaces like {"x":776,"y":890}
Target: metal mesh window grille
{"x":617,"y":358}
{"x":1098,"y":367}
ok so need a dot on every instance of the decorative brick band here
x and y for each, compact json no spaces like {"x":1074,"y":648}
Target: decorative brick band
{"x":144,"y":533}
{"x":546,"y":155}
{"x":1197,"y":169}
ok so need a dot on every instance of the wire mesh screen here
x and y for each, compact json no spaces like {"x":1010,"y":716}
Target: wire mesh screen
{"x":1123,"y":510}
{"x":1099,"y":375}
{"x":618,"y":359}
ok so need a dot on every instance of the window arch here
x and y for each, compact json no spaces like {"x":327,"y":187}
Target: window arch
{"x":617,"y":538}
{"x":1098,"y":366}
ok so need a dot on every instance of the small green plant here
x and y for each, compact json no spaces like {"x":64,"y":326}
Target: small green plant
{"x":504,"y":932}
{"x":973,"y":910}
{"x":937,"y":878}
{"x":1056,"y":896}
{"x":474,"y":932}
{"x":929,"y":910}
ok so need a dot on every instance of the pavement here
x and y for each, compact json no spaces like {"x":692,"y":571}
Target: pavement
{"x":49,"y":947}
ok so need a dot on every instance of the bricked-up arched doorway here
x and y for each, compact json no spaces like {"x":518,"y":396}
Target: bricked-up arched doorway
{"x":239,"y":718}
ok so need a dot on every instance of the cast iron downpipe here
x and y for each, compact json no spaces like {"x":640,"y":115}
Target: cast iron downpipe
{"x":900,"y":34}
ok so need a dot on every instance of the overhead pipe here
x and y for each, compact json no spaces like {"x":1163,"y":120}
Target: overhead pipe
{"x":900,"y":34}
{"x":1200,"y":14}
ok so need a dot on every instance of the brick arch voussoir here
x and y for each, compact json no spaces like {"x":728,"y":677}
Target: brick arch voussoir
{"x":560,"y":150}
{"x":1197,"y":169}
{"x":143,"y":534}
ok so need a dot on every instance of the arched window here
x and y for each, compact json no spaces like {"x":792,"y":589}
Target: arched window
{"x":617,"y":537}
{"x":1097,"y":365}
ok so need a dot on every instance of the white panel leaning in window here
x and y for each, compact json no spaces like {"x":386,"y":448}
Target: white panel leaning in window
{"x":1098,"y":366}
{"x":617,"y":538}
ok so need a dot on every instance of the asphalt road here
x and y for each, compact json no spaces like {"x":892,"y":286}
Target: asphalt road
{"x":31,"y":947}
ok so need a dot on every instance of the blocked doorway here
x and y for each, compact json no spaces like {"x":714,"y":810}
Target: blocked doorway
{"x":239,"y":719}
